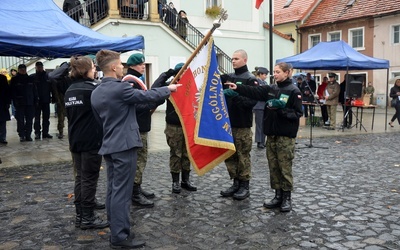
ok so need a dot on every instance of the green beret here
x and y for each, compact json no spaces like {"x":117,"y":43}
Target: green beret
{"x":178,"y":66}
{"x":135,"y":59}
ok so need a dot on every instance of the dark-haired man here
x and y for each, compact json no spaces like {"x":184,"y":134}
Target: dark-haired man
{"x":25,"y":97}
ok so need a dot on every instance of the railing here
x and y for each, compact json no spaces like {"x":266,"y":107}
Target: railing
{"x":90,"y":12}
{"x":9,"y":62}
{"x":193,"y":37}
{"x":136,"y":9}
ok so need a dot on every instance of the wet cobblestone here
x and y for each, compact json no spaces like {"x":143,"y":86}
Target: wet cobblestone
{"x":345,"y":197}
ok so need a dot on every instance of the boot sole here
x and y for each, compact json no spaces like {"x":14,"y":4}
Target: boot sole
{"x":269,"y":206}
{"x":188,"y":188}
{"x":240,"y":198}
{"x":142,"y":205}
{"x":149,"y":196}
{"x":227,"y":195}
{"x":93,"y":227}
{"x":127,"y":247}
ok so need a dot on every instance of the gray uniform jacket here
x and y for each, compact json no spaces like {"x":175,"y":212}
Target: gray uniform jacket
{"x":114,"y":105}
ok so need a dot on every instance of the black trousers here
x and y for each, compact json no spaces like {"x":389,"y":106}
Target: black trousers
{"x":324,"y":113}
{"x":44,"y":110}
{"x":87,"y":166}
{"x":24,"y":115}
{"x":347,"y":121}
{"x":306,"y":108}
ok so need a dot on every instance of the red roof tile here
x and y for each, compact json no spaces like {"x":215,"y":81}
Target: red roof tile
{"x":296,"y":11}
{"x":335,"y":11}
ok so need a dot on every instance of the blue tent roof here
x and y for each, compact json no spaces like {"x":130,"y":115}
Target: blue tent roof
{"x":42,"y":29}
{"x":334,"y":56}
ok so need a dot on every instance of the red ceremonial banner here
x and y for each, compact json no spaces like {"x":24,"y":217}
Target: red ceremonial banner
{"x":211,"y":151}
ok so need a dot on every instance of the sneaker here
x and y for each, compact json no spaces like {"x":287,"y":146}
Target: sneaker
{"x":3,"y":141}
{"x":47,"y":136}
{"x":60,"y":136}
{"x":28,"y":138}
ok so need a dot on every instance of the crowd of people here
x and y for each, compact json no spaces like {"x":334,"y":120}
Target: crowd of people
{"x":327,"y":96}
{"x":95,"y":9}
{"x":118,"y":133}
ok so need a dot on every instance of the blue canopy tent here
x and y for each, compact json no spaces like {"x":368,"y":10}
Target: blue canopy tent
{"x":336,"y":56}
{"x":42,"y":29}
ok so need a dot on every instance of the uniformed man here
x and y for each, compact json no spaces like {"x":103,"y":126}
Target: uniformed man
{"x":137,"y":67}
{"x":45,"y":95}
{"x":241,"y":118}
{"x":331,"y":96}
{"x":179,"y":162}
{"x":259,"y":138}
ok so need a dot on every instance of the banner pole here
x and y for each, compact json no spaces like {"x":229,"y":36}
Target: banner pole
{"x":223,"y":16}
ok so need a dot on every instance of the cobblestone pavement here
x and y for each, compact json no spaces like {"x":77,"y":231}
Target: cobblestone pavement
{"x":345,"y":197}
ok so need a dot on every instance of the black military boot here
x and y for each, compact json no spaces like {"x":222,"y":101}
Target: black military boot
{"x":232,"y":189}
{"x":148,"y":195}
{"x":139,"y":199}
{"x":91,"y":221}
{"x":286,"y":205}
{"x":185,"y":183}
{"x":175,"y":183}
{"x":99,"y":205}
{"x":243,"y":191}
{"x":78,"y":218}
{"x":276,"y":201}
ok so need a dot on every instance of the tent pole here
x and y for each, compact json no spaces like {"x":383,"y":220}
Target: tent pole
{"x":271,"y":38}
{"x":386,"y":97}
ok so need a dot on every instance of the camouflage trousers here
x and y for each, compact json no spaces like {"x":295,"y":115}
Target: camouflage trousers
{"x":178,"y":156}
{"x":60,"y":113}
{"x":280,"y":155}
{"x":141,"y":159}
{"x":239,"y":164}
{"x":332,"y":115}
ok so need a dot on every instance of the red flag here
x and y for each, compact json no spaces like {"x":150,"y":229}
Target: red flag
{"x":207,"y":129}
{"x":258,"y":3}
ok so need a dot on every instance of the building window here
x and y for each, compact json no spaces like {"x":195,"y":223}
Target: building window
{"x":350,"y":3}
{"x":395,"y":74}
{"x":334,"y":36}
{"x":356,"y":37}
{"x":313,"y":40}
{"x":211,"y":3}
{"x":396,"y":34}
{"x":287,"y":4}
